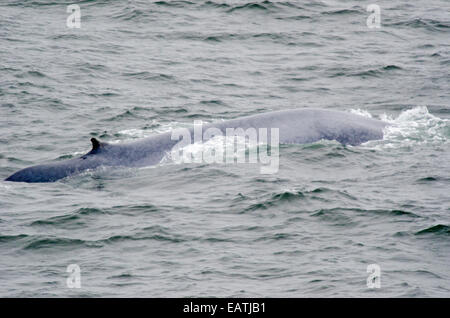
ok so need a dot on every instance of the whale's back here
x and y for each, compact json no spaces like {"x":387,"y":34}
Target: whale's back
{"x":300,"y":126}
{"x":297,"y":126}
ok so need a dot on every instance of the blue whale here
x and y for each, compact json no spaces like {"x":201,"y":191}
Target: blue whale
{"x":298,"y":126}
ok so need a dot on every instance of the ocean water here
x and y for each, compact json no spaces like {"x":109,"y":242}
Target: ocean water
{"x":138,"y":68}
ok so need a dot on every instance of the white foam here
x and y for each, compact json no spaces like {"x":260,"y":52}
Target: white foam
{"x":5,"y":186}
{"x":221,"y":143}
{"x":138,"y":133}
{"x":361,"y":112}
{"x":413,"y":127}
{"x":134,"y":133}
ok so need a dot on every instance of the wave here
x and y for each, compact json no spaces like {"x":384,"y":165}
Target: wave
{"x":429,"y":24}
{"x":276,"y":199}
{"x":152,"y":233}
{"x":290,"y":196}
{"x":393,"y":213}
{"x":46,"y":3}
{"x":130,"y":14}
{"x":354,"y":10}
{"x":219,"y":37}
{"x":149,"y":76}
{"x":439,"y":229}
{"x":178,"y":3}
{"x":374,"y":72}
{"x":432,"y":179}
{"x":72,"y":220}
{"x":36,"y":242}
{"x":134,"y":13}
{"x":233,"y":6}
{"x":31,"y":242}
{"x":253,"y":6}
{"x":156,"y":237}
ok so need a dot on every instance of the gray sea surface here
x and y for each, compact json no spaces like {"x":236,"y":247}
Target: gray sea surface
{"x":139,"y":68}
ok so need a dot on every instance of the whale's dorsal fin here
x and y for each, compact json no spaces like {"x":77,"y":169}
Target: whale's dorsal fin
{"x":95,"y":144}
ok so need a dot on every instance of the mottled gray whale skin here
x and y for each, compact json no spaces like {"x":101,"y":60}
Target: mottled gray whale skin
{"x":298,"y":126}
